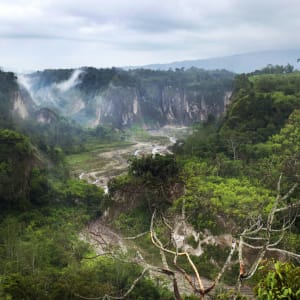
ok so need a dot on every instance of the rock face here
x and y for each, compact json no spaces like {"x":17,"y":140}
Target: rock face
{"x":23,"y":106}
{"x":123,"y":98}
{"x":46,"y":116}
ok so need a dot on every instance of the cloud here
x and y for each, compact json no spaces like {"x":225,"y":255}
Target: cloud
{"x":70,"y":82}
{"x":72,"y":33}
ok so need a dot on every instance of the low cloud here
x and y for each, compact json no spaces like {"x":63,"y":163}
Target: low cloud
{"x":70,"y":82}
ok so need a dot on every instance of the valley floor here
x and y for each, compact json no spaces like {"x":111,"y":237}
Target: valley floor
{"x":100,"y":164}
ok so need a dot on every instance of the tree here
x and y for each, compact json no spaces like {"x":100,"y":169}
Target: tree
{"x":198,"y":286}
{"x":266,"y":235}
{"x":17,"y":157}
{"x":278,"y":281}
{"x":262,"y":235}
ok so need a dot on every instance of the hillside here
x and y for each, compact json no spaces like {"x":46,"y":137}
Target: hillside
{"x":239,"y":63}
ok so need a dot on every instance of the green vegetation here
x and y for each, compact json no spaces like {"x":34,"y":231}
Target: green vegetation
{"x":274,"y":98}
{"x":42,"y":257}
{"x":17,"y":159}
{"x":229,"y":168}
{"x":43,"y":210}
{"x":89,"y":159}
{"x":8,"y":86}
{"x":160,"y":168}
{"x":277,"y":69}
{"x":232,"y":166}
{"x":278,"y":281}
{"x":224,"y":175}
{"x":211,"y":82}
{"x":211,"y":199}
{"x":134,"y":222}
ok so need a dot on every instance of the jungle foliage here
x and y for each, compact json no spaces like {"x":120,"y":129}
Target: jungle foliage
{"x":43,"y":209}
{"x":229,"y":169}
{"x":278,"y":281}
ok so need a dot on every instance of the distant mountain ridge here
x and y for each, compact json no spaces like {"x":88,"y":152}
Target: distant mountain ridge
{"x":240,"y":63}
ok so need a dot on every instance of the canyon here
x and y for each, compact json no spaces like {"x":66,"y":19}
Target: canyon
{"x":119,"y":98}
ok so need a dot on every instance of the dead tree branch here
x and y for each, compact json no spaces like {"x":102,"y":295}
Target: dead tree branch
{"x":266,"y":233}
{"x":198,"y":289}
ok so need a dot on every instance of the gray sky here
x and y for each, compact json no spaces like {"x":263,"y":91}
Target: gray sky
{"x":38,"y":34}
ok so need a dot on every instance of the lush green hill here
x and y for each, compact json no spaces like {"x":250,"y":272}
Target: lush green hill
{"x":262,"y":105}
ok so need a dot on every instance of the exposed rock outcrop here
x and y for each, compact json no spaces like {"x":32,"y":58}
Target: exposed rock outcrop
{"x":123,"y":98}
{"x":23,"y":105}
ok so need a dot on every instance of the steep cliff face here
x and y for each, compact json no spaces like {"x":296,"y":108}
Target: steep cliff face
{"x":23,"y":105}
{"x":119,"y":106}
{"x":15,"y":101}
{"x":122,"y":98}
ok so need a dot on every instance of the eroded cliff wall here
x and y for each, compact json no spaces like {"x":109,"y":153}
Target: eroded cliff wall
{"x":122,"y":98}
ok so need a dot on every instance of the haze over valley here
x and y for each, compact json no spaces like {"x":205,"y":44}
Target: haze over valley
{"x":124,"y":98}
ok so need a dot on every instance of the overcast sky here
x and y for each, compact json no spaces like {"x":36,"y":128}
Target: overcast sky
{"x":38,"y":34}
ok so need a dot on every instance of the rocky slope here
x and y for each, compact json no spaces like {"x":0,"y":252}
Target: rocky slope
{"x":122,"y":98}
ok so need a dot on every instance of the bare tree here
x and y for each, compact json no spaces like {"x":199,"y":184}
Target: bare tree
{"x":198,"y":286}
{"x":262,"y":235}
{"x":107,"y":249}
{"x":265,"y":236}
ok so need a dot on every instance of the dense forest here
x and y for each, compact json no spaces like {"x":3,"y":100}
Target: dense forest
{"x":230,"y":190}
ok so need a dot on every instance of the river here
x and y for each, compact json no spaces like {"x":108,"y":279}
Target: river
{"x":115,"y":162}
